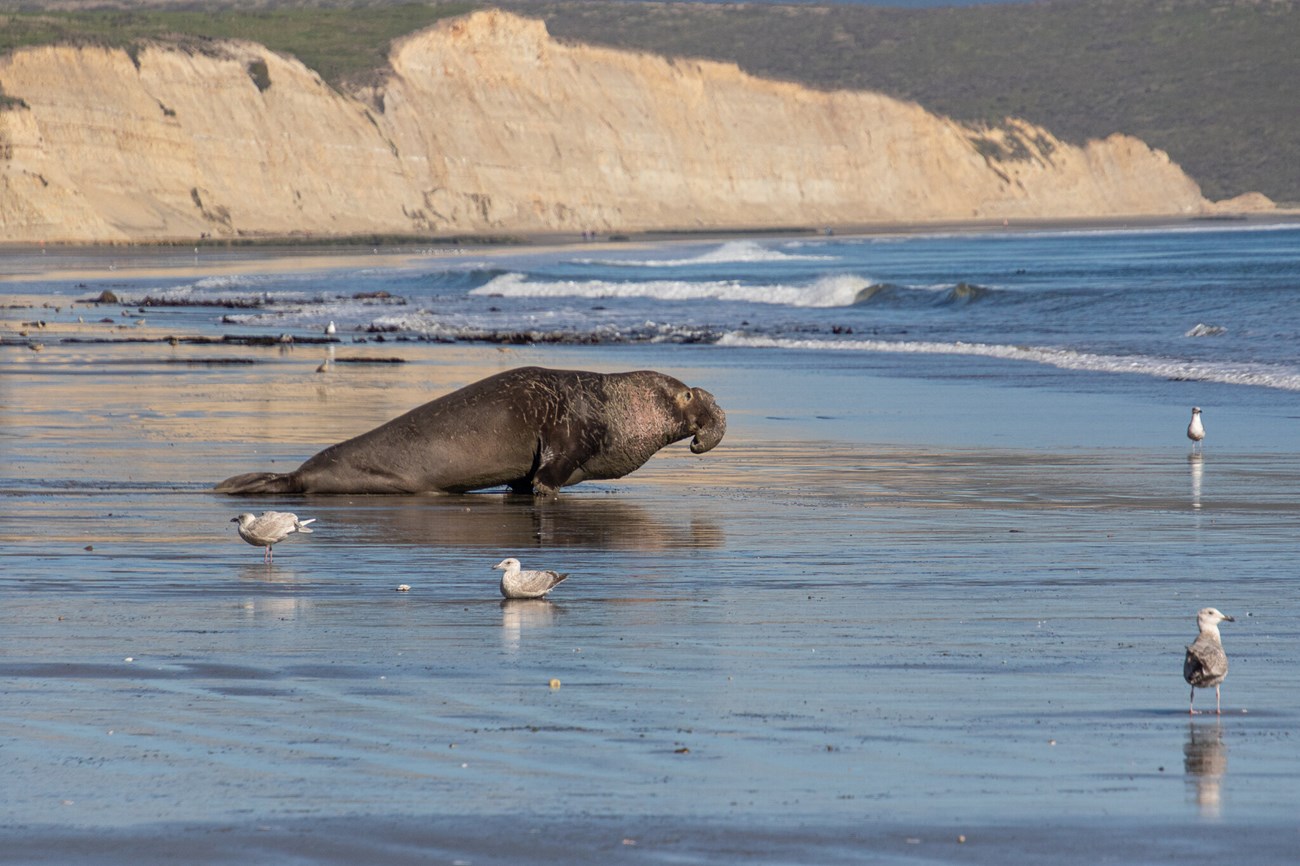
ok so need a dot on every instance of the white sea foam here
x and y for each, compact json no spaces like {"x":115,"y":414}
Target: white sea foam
{"x":732,"y":252}
{"x":1263,"y":375}
{"x":212,"y":290}
{"x":830,"y":291}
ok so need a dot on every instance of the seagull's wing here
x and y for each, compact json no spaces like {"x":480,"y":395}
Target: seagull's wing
{"x":539,"y":581}
{"x":1205,"y":663}
{"x":275,"y":525}
{"x":1193,"y":670}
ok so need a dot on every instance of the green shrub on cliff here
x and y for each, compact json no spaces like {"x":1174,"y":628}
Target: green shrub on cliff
{"x":341,"y":43}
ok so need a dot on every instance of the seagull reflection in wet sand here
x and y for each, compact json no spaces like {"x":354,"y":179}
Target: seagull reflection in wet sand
{"x":1196,"y":460}
{"x":519,"y":615}
{"x":1205,"y":761}
{"x":1206,"y":664}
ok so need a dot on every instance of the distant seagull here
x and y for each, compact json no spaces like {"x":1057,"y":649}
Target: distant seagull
{"x":1206,"y":664}
{"x":1196,"y":430}
{"x":330,"y":329}
{"x":526,"y":584}
{"x":272,"y":527}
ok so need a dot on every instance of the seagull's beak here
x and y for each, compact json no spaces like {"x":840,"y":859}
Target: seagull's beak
{"x":1229,"y":618}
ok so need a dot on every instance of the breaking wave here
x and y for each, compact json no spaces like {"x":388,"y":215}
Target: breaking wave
{"x":732,"y":252}
{"x":1261,"y":375}
{"x":830,"y":291}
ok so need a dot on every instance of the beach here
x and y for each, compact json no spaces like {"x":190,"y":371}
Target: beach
{"x":908,"y":611}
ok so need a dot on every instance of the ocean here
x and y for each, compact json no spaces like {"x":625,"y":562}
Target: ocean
{"x":1212,"y":303}
{"x":926,"y":602}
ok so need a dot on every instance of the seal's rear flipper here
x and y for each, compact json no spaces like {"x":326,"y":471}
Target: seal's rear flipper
{"x":259,"y":482}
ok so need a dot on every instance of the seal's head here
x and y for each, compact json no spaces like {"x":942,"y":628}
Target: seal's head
{"x":704,"y":418}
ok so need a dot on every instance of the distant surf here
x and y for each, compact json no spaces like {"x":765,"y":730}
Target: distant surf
{"x":1261,"y":375}
{"x":732,"y":252}
{"x":841,"y":290}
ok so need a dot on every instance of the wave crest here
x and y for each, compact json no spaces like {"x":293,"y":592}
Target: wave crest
{"x":731,"y":252}
{"x":1261,"y":375}
{"x":841,"y":290}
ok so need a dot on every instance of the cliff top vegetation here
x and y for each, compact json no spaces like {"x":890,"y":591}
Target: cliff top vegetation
{"x":1203,"y":80}
{"x":345,"y":43}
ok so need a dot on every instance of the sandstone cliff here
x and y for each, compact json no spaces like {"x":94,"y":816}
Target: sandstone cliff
{"x":487,"y":125}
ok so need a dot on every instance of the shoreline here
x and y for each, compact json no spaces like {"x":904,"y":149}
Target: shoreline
{"x":279,"y":254}
{"x":513,"y":839}
{"x":528,"y":240}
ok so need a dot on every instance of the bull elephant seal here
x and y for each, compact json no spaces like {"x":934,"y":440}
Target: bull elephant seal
{"x":533,"y":429}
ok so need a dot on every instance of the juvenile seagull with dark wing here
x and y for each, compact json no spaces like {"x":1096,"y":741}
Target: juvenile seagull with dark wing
{"x":1206,"y":664}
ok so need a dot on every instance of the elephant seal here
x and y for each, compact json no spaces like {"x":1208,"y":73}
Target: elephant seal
{"x":533,"y":429}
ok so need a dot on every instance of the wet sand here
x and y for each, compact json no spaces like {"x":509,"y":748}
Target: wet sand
{"x":858,"y":630}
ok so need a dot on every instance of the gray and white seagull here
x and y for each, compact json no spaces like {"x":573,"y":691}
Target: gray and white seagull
{"x":1195,"y":429}
{"x":516,"y":583}
{"x":1206,"y":664}
{"x":270,"y":528}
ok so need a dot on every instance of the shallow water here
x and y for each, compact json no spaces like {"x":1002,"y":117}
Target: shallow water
{"x":934,"y":599}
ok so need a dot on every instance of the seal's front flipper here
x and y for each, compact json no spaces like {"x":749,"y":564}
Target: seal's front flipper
{"x":554,"y":470}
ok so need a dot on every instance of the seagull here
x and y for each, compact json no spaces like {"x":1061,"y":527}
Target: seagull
{"x":1206,"y":664}
{"x":330,"y":329}
{"x":526,"y":584}
{"x":1195,"y":430}
{"x":271,"y":527}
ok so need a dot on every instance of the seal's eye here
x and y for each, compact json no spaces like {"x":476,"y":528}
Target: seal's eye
{"x":688,"y":396}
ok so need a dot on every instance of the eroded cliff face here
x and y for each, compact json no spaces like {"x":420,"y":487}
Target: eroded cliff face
{"x":487,"y":125}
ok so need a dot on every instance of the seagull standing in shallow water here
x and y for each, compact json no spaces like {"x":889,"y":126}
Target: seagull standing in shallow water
{"x":271,"y":527}
{"x":1206,"y":664}
{"x":1196,"y":430}
{"x":526,"y":584}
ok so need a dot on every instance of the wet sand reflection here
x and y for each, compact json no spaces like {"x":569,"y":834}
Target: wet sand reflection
{"x":520,"y":615}
{"x":513,"y":523}
{"x":1205,"y":761}
{"x":1196,"y":461}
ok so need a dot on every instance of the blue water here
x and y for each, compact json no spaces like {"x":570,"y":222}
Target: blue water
{"x":1201,"y":303}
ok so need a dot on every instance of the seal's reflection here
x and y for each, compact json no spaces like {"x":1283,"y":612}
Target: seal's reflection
{"x":515,"y":522}
{"x":1205,"y":761}
{"x":521,"y":614}
{"x":1196,"y":460}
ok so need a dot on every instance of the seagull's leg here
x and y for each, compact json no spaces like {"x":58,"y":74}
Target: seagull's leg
{"x":1191,"y":702}
{"x":1218,"y":711}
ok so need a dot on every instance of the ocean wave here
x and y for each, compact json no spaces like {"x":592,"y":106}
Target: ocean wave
{"x":963,"y":293}
{"x":1228,"y":373}
{"x":218,"y":291}
{"x":732,"y":252}
{"x":343,"y":311}
{"x":461,"y":279}
{"x":842,"y":290}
